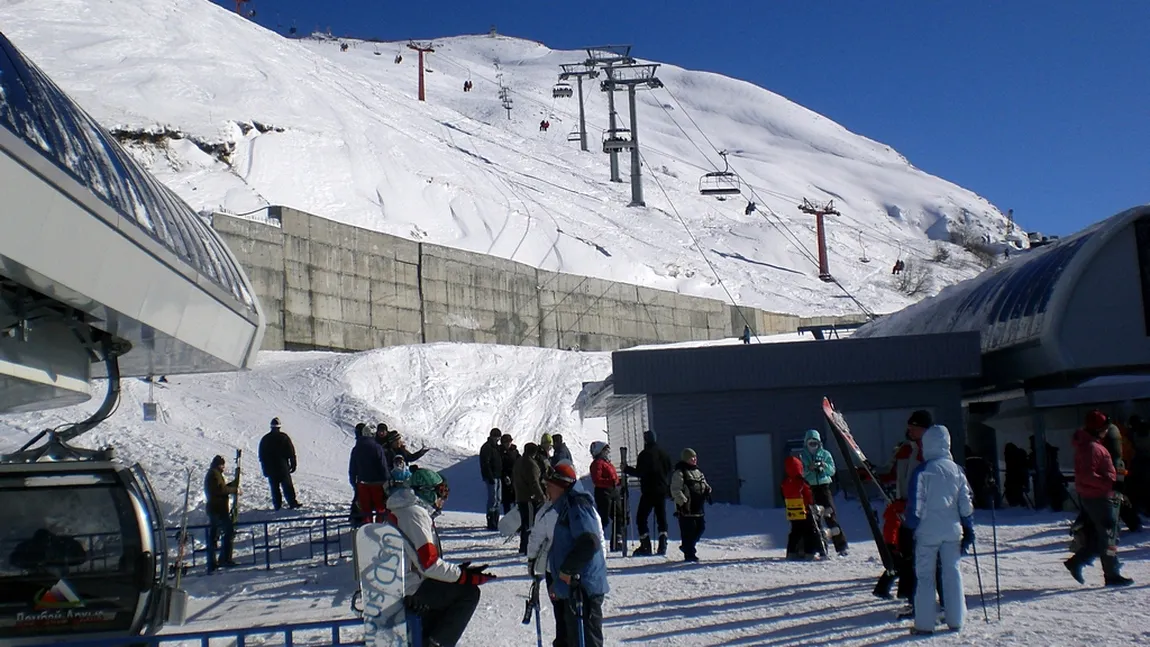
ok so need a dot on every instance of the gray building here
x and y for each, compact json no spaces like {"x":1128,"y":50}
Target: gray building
{"x":739,"y":405}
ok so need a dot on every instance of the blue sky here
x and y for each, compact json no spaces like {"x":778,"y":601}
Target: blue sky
{"x":1042,"y":106}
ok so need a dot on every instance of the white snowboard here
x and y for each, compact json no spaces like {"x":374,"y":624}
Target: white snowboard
{"x":380,"y":564}
{"x":509,"y":523}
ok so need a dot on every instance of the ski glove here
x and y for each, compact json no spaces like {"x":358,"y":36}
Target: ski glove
{"x":819,"y":466}
{"x":967,"y":537}
{"x":474,"y":575}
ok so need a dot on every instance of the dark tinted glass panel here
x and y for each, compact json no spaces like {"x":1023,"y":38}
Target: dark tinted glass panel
{"x":1142,"y":235}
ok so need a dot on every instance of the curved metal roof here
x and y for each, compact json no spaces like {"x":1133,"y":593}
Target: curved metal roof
{"x":34,"y":109}
{"x":1017,"y":303}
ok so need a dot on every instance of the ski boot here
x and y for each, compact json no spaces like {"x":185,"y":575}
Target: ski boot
{"x":493,"y":520}
{"x":662,"y":543}
{"x":644,"y":548}
{"x":1118,"y":580}
{"x":882,"y":588}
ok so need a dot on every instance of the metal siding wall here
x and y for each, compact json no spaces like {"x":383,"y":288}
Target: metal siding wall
{"x":625,"y":428}
{"x":709,"y":422}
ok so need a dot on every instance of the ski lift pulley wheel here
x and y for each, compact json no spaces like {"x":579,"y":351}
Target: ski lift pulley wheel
{"x":86,"y":543}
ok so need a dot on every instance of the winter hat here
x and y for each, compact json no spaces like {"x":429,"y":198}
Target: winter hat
{"x":649,"y":437}
{"x":557,"y":439}
{"x":506,"y":439}
{"x":428,"y":484}
{"x":1096,"y":421}
{"x":688,"y":455}
{"x":275,"y":423}
{"x":218,"y":460}
{"x":530,"y":450}
{"x":361,"y":430}
{"x":381,"y":427}
{"x":391,"y":437}
{"x":921,"y":418}
{"x":545,"y":441}
{"x":597,"y":448}
{"x":563,"y":474}
{"x":495,"y":433}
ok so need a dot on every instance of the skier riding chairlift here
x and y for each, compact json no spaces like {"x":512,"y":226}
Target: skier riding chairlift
{"x":544,"y":125}
{"x":398,"y":58}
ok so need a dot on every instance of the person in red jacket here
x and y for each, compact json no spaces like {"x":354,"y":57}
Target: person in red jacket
{"x":1094,"y":478}
{"x":802,"y":542}
{"x":606,"y":481}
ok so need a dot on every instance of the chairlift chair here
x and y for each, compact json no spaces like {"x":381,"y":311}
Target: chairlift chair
{"x":720,"y":183}
{"x":617,"y":140}
{"x":575,"y":135}
{"x":562,"y":90}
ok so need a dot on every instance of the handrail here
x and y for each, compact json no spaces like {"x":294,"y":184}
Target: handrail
{"x":286,"y":631}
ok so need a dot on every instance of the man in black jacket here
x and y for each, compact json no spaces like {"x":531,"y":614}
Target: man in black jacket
{"x":653,"y":468}
{"x":491,"y":469}
{"x":509,"y":453}
{"x":277,"y":458}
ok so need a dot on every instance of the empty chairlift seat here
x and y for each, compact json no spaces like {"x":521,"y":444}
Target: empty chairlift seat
{"x":719,"y":183}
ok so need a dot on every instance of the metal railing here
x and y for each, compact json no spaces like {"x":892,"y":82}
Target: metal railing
{"x":272,"y":541}
{"x":346,"y":631}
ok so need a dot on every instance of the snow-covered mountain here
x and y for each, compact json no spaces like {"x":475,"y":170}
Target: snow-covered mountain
{"x":237,"y":117}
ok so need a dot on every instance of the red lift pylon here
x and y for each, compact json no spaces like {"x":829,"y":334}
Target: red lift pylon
{"x":819,"y":211}
{"x":422,"y":48}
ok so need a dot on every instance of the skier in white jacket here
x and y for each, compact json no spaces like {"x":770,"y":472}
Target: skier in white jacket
{"x":443,"y":594}
{"x":940,"y":512}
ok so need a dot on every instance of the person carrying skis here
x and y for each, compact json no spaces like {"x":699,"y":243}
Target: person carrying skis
{"x":689,"y":491}
{"x":1094,"y":478}
{"x":491,"y":469}
{"x":653,"y":469}
{"x":606,"y":481}
{"x":217,"y":490}
{"x":278,"y":461}
{"x":509,"y":455}
{"x":818,"y":470}
{"x":940,"y":513}
{"x":576,"y":557}
{"x":529,"y":494}
{"x":444,"y":595}
{"x":797,"y":498}
{"x":368,"y":470}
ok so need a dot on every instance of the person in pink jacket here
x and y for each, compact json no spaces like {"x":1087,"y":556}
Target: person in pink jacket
{"x":1094,"y":478}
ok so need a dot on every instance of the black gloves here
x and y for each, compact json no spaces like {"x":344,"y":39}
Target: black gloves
{"x":967,"y":537}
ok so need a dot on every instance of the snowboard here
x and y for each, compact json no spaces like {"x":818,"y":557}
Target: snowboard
{"x":510,"y":522}
{"x":853,"y":455}
{"x":380,"y":566}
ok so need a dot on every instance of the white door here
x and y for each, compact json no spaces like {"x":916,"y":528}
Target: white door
{"x":756,"y":470}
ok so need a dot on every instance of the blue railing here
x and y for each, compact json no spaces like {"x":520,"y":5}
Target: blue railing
{"x":273,"y":541}
{"x":347,"y":631}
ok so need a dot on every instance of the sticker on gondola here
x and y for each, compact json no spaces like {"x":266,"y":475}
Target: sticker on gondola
{"x":61,"y":606}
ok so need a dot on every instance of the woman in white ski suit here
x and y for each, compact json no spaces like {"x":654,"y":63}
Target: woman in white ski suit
{"x":940,"y":512}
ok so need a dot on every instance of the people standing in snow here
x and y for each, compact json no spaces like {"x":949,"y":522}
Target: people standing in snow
{"x":278,"y":461}
{"x":444,"y":595}
{"x":690,"y":491}
{"x":369,"y":470}
{"x":940,"y":513}
{"x":395,"y":447}
{"x":818,"y":470}
{"x":491,"y":469}
{"x":576,"y":557}
{"x":546,"y":445}
{"x":529,"y":495}
{"x":802,"y":542}
{"x":509,"y":455}
{"x":217,"y":490}
{"x":907,"y":457}
{"x":561,"y":452}
{"x":1094,"y":478}
{"x":1017,"y":478}
{"x":653,"y":469}
{"x":606,"y":481}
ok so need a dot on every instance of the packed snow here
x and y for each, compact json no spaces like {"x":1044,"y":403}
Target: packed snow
{"x":447,"y":396}
{"x":235,"y":117}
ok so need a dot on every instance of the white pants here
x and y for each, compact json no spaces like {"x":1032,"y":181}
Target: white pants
{"x":925,"y":602}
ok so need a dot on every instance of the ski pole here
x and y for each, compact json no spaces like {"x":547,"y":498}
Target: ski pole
{"x":577,"y":594}
{"x":978,"y":572}
{"x":994,"y":546}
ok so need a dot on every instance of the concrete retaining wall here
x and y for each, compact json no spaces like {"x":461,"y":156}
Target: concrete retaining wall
{"x":326,"y":285}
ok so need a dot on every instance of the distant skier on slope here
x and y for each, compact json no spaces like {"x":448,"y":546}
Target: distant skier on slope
{"x":443,"y":594}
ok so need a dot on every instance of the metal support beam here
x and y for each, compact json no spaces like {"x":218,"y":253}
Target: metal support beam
{"x":612,"y":126}
{"x":631,"y":77}
{"x":582,"y":116}
{"x":636,"y":166}
{"x":422,"y":48}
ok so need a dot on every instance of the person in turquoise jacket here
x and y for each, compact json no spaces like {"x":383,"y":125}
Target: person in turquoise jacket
{"x":818,"y":470}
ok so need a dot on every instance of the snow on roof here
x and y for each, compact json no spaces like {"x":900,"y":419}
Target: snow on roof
{"x":781,"y":338}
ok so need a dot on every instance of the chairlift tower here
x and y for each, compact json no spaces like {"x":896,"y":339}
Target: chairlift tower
{"x":819,"y":212}
{"x":422,"y":48}
{"x":631,"y":77}
{"x":608,"y":56}
{"x":579,"y":71}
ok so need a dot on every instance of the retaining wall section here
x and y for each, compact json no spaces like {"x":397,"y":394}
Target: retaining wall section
{"x":327,"y":285}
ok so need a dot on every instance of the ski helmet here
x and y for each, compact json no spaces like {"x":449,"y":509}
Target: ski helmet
{"x":429,"y":485}
{"x":597,"y":448}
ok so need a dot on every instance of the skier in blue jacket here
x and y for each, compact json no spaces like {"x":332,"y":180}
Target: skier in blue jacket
{"x":576,"y":557}
{"x":940,"y":513}
{"x":818,"y":470}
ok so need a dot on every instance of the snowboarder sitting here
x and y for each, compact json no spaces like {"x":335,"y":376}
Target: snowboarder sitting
{"x":940,"y":513}
{"x":442,"y":594}
{"x":689,"y":490}
{"x":801,"y":542}
{"x":819,"y":469}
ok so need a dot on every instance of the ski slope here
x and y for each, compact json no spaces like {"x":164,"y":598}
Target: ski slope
{"x":241,"y":117}
{"x":447,"y":396}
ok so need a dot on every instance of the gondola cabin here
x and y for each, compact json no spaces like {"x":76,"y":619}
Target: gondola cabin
{"x":82,"y":552}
